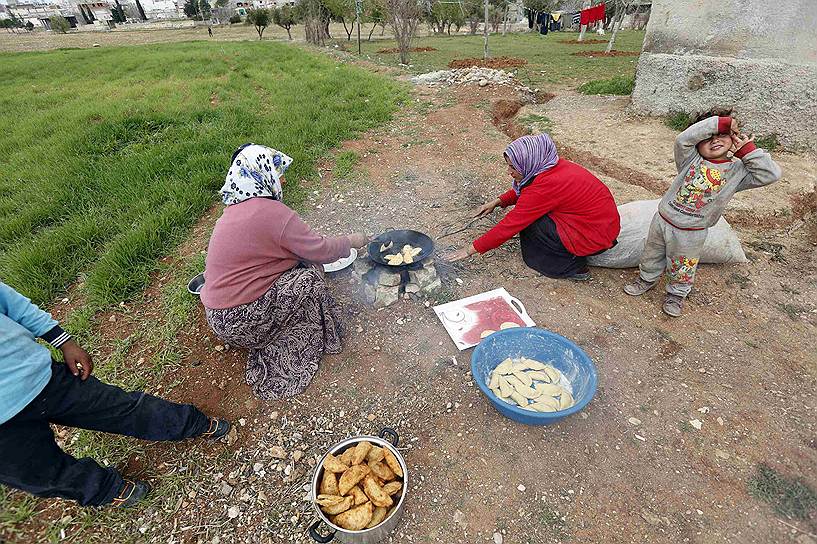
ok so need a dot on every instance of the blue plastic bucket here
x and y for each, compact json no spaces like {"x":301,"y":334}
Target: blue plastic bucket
{"x":543,"y":346}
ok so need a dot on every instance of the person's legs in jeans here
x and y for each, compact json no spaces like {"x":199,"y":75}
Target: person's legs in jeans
{"x":97,"y":406}
{"x":33,"y":462}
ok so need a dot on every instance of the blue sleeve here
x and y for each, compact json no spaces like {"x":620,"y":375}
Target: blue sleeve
{"x":20,"y":309}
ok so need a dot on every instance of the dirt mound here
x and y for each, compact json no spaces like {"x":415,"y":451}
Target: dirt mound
{"x":574,"y":42}
{"x":604,"y":54}
{"x":495,"y":63}
{"x":412,"y":50}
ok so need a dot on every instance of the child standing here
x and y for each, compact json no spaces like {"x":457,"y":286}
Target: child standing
{"x":705,"y":183}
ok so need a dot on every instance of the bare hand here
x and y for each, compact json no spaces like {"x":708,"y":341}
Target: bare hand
{"x":734,"y":127}
{"x":457,"y":255}
{"x":77,"y":359}
{"x":487,"y":208}
{"x":740,"y":140}
{"x":358,"y":239}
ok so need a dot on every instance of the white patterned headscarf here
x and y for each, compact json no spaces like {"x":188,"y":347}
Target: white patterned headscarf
{"x":256,"y":170}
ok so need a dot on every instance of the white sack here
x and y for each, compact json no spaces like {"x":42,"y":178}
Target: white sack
{"x":722,"y":244}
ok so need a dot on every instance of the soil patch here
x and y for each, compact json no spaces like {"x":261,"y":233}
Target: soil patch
{"x":604,"y":54}
{"x":585,"y":42}
{"x":412,"y":50}
{"x":495,"y":63}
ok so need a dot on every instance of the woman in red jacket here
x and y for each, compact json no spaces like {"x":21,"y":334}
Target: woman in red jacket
{"x":562,"y":212}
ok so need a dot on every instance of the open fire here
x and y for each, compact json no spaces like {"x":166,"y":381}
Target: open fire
{"x":382,"y":285}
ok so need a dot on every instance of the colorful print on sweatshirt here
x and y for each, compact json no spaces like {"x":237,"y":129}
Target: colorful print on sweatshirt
{"x":701,"y":185}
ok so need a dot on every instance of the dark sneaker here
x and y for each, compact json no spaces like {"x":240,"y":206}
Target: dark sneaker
{"x":639,"y":287}
{"x":132,"y":492}
{"x":581,"y":276}
{"x":218,"y":428}
{"x":673,"y":305}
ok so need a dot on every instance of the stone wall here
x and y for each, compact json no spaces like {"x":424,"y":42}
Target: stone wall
{"x":755,"y":56}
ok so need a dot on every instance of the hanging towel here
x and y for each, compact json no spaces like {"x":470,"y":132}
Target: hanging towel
{"x":576,"y":18}
{"x":591,"y":15}
{"x":556,"y":15}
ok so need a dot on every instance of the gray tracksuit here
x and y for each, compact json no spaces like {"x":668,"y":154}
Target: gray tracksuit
{"x":695,"y":201}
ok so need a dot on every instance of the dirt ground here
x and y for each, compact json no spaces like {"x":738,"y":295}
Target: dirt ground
{"x":741,"y":361}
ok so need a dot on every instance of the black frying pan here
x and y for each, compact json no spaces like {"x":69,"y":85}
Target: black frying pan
{"x":400,"y":238}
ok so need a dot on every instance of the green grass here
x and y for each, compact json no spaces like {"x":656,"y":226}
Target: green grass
{"x":788,"y":497}
{"x":679,"y":121}
{"x":618,"y":85}
{"x":345,"y":164}
{"x":537,"y":122}
{"x":768,"y":142}
{"x":549,"y":60}
{"x":110,"y":155}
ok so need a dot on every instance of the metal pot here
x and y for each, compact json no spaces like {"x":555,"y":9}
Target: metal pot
{"x":400,"y":238}
{"x":366,"y":536}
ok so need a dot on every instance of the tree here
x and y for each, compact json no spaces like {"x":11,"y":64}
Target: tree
{"x":620,"y":8}
{"x":473,"y":14}
{"x":260,"y":19}
{"x":285,"y":18}
{"x":59,"y":24}
{"x":205,"y":10}
{"x":315,"y":16}
{"x":343,"y":12}
{"x":191,"y":9}
{"x":441,"y":16}
{"x":374,"y":13}
{"x":404,"y":17}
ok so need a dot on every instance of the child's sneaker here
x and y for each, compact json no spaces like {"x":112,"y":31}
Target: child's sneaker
{"x":131,"y":493}
{"x":673,"y":305}
{"x":638,"y":287}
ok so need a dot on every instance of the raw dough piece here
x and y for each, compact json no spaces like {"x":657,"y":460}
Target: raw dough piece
{"x":486,"y":333}
{"x":508,"y":325}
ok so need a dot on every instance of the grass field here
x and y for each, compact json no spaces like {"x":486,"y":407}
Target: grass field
{"x":108,"y":156}
{"x":549,"y":60}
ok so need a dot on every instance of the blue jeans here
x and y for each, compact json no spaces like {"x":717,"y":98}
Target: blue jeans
{"x":31,"y":460}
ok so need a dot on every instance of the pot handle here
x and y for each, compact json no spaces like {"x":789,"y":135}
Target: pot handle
{"x":317,"y":537}
{"x":388,"y":431}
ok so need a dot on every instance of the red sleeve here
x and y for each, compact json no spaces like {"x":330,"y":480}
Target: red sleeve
{"x":745,"y":150}
{"x":724,"y":125}
{"x":527,"y":211}
{"x":508,"y":198}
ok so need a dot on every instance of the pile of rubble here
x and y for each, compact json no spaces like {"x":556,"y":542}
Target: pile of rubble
{"x":463,"y":76}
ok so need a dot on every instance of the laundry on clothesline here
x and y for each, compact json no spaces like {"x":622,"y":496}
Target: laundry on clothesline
{"x":591,"y":15}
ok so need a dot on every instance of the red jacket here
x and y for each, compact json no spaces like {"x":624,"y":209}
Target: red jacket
{"x":579,"y":203}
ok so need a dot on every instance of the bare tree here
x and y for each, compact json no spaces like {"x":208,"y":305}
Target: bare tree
{"x":621,"y":7}
{"x":404,"y":17}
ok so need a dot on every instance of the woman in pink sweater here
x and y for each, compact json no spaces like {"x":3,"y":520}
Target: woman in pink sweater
{"x":261,"y":289}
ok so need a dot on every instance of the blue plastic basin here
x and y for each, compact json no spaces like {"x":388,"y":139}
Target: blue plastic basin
{"x":543,"y":346}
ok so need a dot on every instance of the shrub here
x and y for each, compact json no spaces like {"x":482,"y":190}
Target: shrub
{"x":59,"y":24}
{"x":619,"y":85}
{"x":235,"y":19}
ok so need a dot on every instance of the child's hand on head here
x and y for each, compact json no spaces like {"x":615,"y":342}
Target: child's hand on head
{"x":734,"y":127}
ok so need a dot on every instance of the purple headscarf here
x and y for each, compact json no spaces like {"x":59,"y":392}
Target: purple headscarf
{"x":530,"y":156}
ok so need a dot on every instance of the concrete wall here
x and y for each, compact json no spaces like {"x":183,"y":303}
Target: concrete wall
{"x":755,"y":56}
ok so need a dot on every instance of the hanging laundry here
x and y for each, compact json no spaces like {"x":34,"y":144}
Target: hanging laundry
{"x":543,"y":20}
{"x":556,"y":15}
{"x":576,"y":18}
{"x":591,"y":15}
{"x":529,"y":13}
